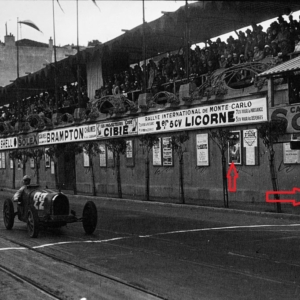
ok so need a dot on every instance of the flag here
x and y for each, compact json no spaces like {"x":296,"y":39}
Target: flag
{"x":96,"y":4}
{"x":30,"y":23}
{"x":60,"y":6}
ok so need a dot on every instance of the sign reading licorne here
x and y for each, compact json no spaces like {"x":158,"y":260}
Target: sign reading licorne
{"x":67,"y":135}
{"x":225,"y":114}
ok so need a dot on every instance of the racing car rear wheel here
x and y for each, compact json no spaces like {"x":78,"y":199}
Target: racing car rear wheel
{"x":33,"y":223}
{"x":89,"y":217}
{"x":8,"y":214}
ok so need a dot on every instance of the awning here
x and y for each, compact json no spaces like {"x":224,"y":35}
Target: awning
{"x":288,"y":66}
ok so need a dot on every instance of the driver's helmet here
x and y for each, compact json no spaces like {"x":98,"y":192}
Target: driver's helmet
{"x":26,"y":179}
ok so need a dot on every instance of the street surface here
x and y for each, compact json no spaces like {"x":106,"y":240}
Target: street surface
{"x":155,"y":252}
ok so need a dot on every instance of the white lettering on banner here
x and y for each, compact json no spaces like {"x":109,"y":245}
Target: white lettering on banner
{"x":65,"y":135}
{"x":234,"y":113}
{"x":9,"y":143}
{"x":119,"y":128}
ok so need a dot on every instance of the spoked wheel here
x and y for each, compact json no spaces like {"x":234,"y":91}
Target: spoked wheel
{"x":89,"y":217}
{"x":8,"y":214}
{"x":33,"y":223}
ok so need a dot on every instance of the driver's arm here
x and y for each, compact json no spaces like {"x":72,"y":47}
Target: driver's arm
{"x":18,"y":194}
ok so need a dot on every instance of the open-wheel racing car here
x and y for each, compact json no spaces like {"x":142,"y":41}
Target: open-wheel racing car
{"x":43,"y":207}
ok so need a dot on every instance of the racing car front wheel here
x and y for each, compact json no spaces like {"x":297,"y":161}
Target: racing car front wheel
{"x":8,"y":214}
{"x":33,"y":223}
{"x":89,"y":217}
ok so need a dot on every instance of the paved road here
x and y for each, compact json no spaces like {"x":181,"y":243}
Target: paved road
{"x":172,"y":253}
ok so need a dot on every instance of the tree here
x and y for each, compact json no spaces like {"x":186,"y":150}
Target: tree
{"x":117,"y":146}
{"x":73,"y":149}
{"x":177,"y":142}
{"x":147,"y":143}
{"x":222,"y":137}
{"x":13,"y":156}
{"x":92,"y":149}
{"x":36,"y":154}
{"x":270,"y":132}
{"x":54,"y":152}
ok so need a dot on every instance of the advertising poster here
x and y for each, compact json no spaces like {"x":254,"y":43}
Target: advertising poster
{"x":129,"y":153}
{"x":86,"y":160}
{"x":234,"y":148}
{"x":157,"y":153}
{"x":110,"y":158}
{"x":218,"y":115}
{"x":11,"y":163}
{"x":290,"y":156}
{"x":250,"y":143}
{"x":47,"y":159}
{"x":32,"y":163}
{"x":52,"y":167}
{"x":202,"y":149}
{"x":167,"y":152}
{"x":102,"y":155}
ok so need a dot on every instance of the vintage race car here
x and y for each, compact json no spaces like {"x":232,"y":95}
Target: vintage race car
{"x":43,"y":207}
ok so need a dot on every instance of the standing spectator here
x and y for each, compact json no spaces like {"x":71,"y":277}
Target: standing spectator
{"x":258,"y":54}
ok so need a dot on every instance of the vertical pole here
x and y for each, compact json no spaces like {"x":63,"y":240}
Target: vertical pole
{"x":187,"y":39}
{"x":78,"y":69}
{"x":144,"y":51}
{"x":18,"y":75}
{"x":55,"y":61}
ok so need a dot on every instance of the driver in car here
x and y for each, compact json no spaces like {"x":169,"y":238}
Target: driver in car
{"x":18,"y":194}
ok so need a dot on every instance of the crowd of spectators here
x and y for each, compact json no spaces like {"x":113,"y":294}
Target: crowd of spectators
{"x":44,"y":104}
{"x":279,"y":40}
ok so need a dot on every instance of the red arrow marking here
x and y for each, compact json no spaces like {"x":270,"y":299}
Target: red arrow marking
{"x":292,"y":192}
{"x":232,"y":175}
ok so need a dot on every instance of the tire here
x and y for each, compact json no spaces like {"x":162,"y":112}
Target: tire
{"x":8,"y":214}
{"x":33,"y":223}
{"x":89,"y":217}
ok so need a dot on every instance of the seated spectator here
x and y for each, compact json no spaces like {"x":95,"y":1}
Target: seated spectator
{"x":267,"y":51}
{"x":229,"y":61}
{"x":235,"y":60}
{"x":257,"y":54}
{"x":222,"y":61}
{"x":297,"y":45}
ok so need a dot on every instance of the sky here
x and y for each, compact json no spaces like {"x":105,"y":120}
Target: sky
{"x":102,"y":23}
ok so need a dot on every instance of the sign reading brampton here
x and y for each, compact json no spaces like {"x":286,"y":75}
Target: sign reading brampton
{"x":226,"y":114}
{"x":66,"y":135}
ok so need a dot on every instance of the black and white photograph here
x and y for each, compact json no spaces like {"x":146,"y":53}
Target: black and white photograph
{"x":149,"y":149}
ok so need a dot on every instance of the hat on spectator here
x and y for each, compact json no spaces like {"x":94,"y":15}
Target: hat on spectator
{"x":26,"y":177}
{"x":267,"y":46}
{"x":242,"y":55}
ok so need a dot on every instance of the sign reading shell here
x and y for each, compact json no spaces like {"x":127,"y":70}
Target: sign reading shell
{"x":226,"y":114}
{"x":9,"y":143}
{"x":117,"y":129}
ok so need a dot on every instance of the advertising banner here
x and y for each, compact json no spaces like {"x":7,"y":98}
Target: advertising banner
{"x":290,"y":113}
{"x":225,"y":114}
{"x":67,"y":135}
{"x":117,"y":128}
{"x":28,"y":140}
{"x":9,"y":143}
